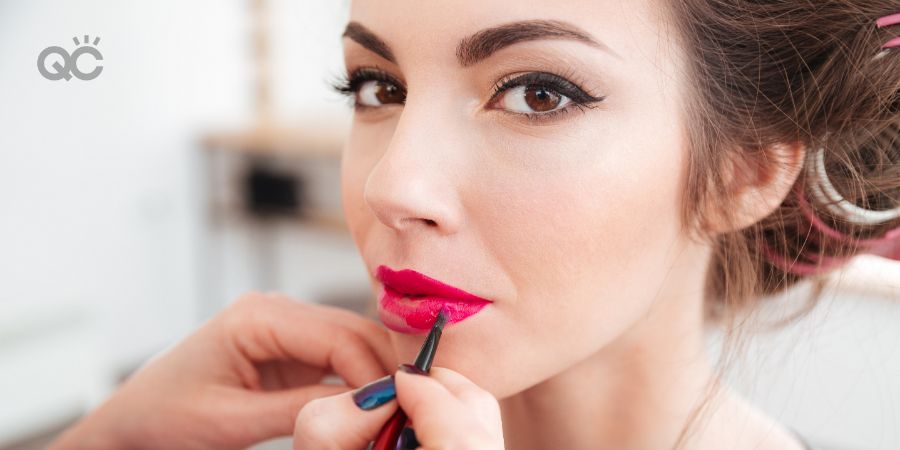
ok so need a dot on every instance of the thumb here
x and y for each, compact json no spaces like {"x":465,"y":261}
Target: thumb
{"x":436,"y":415}
{"x":271,"y":414}
{"x":336,"y":422}
{"x":447,"y":410}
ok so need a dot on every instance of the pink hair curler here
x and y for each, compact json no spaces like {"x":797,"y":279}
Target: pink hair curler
{"x":886,"y":21}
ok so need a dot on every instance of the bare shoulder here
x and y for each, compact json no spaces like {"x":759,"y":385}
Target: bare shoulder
{"x":732,"y":422}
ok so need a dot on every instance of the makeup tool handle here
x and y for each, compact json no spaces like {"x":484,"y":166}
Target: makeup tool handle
{"x":390,"y":432}
{"x":389,"y":436}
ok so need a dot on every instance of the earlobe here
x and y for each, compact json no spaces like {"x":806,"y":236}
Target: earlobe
{"x":757,"y":185}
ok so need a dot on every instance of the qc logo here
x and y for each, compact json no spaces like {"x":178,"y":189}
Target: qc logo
{"x":69,"y":66}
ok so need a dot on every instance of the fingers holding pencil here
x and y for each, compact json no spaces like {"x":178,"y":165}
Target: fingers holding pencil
{"x":446,"y":410}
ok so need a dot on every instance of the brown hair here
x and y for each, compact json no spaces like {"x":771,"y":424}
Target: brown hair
{"x":778,"y":71}
{"x":773,"y":72}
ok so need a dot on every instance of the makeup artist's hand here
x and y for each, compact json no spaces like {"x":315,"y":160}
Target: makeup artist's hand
{"x":239,"y":379}
{"x":447,"y":410}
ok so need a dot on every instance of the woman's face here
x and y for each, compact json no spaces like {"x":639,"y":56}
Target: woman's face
{"x":567,"y":220}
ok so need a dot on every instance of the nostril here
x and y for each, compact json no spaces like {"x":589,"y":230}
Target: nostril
{"x":430,"y":222}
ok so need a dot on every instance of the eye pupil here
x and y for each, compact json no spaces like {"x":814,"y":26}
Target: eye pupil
{"x":541,"y":99}
{"x":388,"y":93}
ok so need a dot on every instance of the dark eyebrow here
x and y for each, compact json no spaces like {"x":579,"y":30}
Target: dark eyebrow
{"x":365,"y":37}
{"x":484,"y":43}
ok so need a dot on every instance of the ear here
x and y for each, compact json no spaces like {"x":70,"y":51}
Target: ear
{"x":756,"y":184}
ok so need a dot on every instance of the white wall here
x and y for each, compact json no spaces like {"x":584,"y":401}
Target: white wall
{"x":99,"y":179}
{"x":834,"y":374}
{"x":99,"y":221}
{"x":96,"y":184}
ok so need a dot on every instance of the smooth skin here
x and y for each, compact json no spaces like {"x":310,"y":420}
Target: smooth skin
{"x":448,"y":410}
{"x":239,"y":379}
{"x":571,"y":226}
{"x":243,"y":376}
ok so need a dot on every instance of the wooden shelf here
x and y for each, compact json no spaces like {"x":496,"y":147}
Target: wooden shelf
{"x":309,"y":139}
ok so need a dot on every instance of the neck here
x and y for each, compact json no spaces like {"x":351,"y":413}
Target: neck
{"x":645,"y":388}
{"x":637,"y":392}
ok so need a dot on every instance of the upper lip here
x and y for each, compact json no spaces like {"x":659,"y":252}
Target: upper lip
{"x":410,"y":282}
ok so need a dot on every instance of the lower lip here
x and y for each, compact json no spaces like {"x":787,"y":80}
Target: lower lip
{"x":414,"y":315}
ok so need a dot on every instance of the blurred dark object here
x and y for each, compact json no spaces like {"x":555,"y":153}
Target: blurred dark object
{"x":271,"y":193}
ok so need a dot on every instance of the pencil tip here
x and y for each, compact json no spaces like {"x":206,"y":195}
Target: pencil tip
{"x":441,"y":319}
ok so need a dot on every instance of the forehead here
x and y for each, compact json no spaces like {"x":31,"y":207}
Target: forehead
{"x":417,"y":31}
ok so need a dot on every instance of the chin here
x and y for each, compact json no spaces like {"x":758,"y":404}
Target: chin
{"x":473,"y":349}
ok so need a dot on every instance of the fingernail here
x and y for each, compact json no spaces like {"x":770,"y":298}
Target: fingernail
{"x":408,"y":439}
{"x":375,"y":393}
{"x":409,"y":368}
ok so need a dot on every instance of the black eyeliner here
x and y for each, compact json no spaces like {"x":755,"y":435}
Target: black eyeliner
{"x":549,"y":80}
{"x":349,"y":84}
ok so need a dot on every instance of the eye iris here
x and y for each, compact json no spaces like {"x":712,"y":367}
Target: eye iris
{"x":541,"y":99}
{"x":388,"y":93}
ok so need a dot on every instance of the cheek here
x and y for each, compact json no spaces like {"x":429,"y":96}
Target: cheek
{"x":587,"y":247}
{"x":581,"y":227}
{"x":596,"y":230}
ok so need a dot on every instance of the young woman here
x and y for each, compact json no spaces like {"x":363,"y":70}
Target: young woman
{"x":594,"y":182}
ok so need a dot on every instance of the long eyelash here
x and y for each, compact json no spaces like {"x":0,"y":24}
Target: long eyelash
{"x":558,"y":83}
{"x":348,"y":84}
{"x":340,"y":84}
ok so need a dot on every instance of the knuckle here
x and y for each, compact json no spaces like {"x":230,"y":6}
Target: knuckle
{"x":247,"y":312}
{"x":247,"y":299}
{"x":488,"y":402}
{"x":350,"y":349}
{"x":237,"y":314}
{"x":312,"y":421}
{"x":479,"y":396}
{"x":345,"y":339}
{"x":475,"y":439}
{"x":245,"y":302}
{"x":411,"y":400}
{"x":484,"y":405}
{"x":354,"y":321}
{"x":481,"y":439}
{"x":470,"y":397}
{"x":232,"y":316}
{"x":376,"y":331}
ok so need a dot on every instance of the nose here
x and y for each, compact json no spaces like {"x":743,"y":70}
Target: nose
{"x":414,"y":186}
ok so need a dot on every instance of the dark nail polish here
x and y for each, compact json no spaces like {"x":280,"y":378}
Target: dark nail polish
{"x":408,"y":440}
{"x":375,"y":393}
{"x":409,"y":368}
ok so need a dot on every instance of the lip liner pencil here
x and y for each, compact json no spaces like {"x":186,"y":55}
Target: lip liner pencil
{"x":390,"y":433}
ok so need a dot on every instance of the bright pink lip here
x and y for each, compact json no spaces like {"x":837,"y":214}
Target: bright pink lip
{"x":411,"y":301}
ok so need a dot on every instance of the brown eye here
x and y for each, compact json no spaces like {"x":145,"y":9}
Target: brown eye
{"x":530,"y":99}
{"x":541,"y":99}
{"x":377,"y":93}
{"x":389,"y":93}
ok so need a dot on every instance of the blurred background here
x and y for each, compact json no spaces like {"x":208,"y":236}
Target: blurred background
{"x":202,"y":163}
